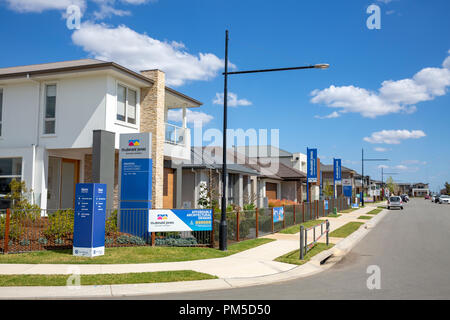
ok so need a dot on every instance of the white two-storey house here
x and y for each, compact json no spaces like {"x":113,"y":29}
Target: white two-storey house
{"x":48,"y":113}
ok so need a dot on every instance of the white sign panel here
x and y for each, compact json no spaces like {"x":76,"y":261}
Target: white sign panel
{"x":346,"y":182}
{"x":135,"y":145}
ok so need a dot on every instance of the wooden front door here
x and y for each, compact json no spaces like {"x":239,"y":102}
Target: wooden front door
{"x":70,"y":175}
{"x":168,"y":188}
{"x":271,"y":191}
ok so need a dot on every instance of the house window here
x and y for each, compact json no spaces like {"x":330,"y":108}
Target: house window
{"x":126,"y":104}
{"x":50,"y":109}
{"x":10,"y":168}
{"x":1,"y":110}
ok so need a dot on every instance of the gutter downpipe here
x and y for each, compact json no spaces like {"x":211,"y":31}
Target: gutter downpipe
{"x":35,"y":145}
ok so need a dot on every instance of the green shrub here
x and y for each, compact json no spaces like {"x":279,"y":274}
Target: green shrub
{"x":249,"y":207}
{"x":42,"y":241}
{"x":111,"y":224}
{"x":176,"y":242}
{"x":24,"y":242}
{"x":59,"y":241}
{"x":129,"y":239}
{"x":60,"y":224}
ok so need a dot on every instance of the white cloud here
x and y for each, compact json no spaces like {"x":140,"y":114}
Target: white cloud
{"x":191,"y":116}
{"x":107,"y":11}
{"x":38,"y":6}
{"x":233,"y":100}
{"x":139,"y":51}
{"x":137,"y":1}
{"x":394,"y":136}
{"x":332,"y":115}
{"x":106,"y":8}
{"x":385,"y":1}
{"x":382,"y":166}
{"x":414,"y":162}
{"x":379,"y":149}
{"x":392,"y":96}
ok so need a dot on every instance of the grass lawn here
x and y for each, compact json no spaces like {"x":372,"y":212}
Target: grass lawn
{"x":103,"y":279}
{"x":294,"y":256}
{"x":375,"y":211}
{"x":132,"y":254}
{"x":296,"y":228}
{"x":332,"y":215}
{"x":346,"y":230}
{"x":349,"y":210}
{"x":365,"y":217}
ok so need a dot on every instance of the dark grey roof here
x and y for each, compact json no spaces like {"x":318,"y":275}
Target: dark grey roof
{"x":262,"y":151}
{"x":211,"y":158}
{"x":330,"y":168}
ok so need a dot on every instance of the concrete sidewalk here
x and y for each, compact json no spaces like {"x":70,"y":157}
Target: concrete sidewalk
{"x":251,"y":267}
{"x":254,"y":262}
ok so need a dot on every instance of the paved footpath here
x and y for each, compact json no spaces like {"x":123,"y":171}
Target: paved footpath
{"x":253,"y":266}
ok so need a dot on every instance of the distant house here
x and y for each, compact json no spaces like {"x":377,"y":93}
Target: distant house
{"x":282,"y":173}
{"x":328,"y":177}
{"x":205,"y":168}
{"x":420,"y":189}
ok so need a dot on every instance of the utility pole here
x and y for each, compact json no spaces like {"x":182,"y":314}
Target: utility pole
{"x":362,"y":174}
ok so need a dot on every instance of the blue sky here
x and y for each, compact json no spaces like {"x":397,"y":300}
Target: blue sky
{"x":386,"y":90}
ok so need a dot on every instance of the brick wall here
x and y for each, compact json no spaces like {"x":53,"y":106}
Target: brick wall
{"x":152,"y":120}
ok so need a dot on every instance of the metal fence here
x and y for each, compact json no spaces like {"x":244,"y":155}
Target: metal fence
{"x":305,"y":246}
{"x":37,"y":230}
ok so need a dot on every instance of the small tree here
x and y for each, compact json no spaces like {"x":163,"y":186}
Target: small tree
{"x":204,"y":200}
{"x":19,"y":196}
{"x":447,"y":188}
{"x":328,"y":189}
{"x":392,"y":186}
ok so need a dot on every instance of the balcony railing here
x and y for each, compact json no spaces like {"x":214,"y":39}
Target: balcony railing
{"x":175,"y":135}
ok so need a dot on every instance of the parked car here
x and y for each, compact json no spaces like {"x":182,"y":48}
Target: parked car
{"x":436,"y":198}
{"x":427,"y":197}
{"x":395,"y":202}
{"x":444,"y":199}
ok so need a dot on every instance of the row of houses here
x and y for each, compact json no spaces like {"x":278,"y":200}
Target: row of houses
{"x":49,"y":112}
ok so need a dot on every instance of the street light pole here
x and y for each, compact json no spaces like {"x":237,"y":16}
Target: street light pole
{"x":223,"y":241}
{"x":362,"y":174}
{"x":223,"y":218}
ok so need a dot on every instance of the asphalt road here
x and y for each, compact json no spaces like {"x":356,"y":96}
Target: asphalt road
{"x":411,"y":247}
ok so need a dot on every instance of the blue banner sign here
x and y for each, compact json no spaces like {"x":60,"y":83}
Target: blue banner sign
{"x":177,"y":220}
{"x":326,"y":204}
{"x":312,"y":165}
{"x":337,"y":170}
{"x":135,"y":182}
{"x":89,"y":220}
{"x":278,"y":214}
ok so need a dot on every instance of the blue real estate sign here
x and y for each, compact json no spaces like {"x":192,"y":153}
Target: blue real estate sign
{"x":312,"y":165}
{"x":180,"y":220}
{"x":135,"y":182}
{"x":89,"y":220}
{"x":278,"y":214}
{"x":337,"y":170}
